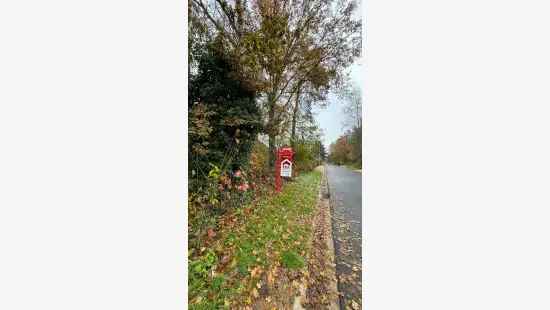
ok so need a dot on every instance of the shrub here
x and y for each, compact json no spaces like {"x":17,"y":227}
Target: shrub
{"x":224,"y":121}
{"x":224,"y":118}
{"x":259,"y":160}
{"x":306,"y":155}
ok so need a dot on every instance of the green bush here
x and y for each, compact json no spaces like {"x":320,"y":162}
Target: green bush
{"x":307,"y":155}
{"x":259,"y":160}
{"x":224,"y":118}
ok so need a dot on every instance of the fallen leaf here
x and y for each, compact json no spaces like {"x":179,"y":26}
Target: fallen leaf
{"x":224,"y":260}
{"x":255,"y":272}
{"x":211,"y":233}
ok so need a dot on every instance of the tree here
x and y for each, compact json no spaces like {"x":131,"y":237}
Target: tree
{"x":224,"y":118}
{"x":309,"y":94}
{"x":284,"y":45}
{"x":356,"y":145}
{"x":340,"y":151}
{"x":323,"y":152}
{"x":352,"y":106}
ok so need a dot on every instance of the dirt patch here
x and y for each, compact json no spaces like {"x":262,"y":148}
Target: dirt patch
{"x":277,"y":289}
{"x":321,"y":292}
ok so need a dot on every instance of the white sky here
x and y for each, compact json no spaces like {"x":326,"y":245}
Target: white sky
{"x":331,"y":119}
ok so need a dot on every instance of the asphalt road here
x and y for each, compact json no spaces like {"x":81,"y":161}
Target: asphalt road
{"x":345,"y":196}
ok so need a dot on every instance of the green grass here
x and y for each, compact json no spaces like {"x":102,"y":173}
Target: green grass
{"x":291,"y":260}
{"x":272,"y":232}
{"x":354,"y":166}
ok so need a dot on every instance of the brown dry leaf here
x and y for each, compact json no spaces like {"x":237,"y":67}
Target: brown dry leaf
{"x":233,"y":263}
{"x":256,"y":271}
{"x":211,"y":233}
{"x":255,"y":293}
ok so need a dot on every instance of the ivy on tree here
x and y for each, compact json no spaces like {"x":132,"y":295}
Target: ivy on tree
{"x":224,"y":118}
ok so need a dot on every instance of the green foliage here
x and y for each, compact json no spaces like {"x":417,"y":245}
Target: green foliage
{"x":323,"y":152}
{"x":356,"y":145}
{"x":275,"y":224}
{"x":259,"y":160}
{"x":221,"y":192}
{"x":307,"y":155}
{"x":200,"y":268}
{"x":291,"y":260}
{"x":217,"y":282}
{"x":245,"y":258}
{"x":242,"y":55}
{"x":224,"y":118}
{"x":347,"y":149}
{"x":224,"y":121}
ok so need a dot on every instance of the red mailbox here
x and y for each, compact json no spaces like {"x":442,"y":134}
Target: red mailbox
{"x":283,"y":166}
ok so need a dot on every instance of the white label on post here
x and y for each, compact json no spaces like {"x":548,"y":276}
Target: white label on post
{"x":286,"y":168}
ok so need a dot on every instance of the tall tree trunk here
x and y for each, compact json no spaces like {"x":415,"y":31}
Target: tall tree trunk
{"x":271,"y":129}
{"x":272,"y":150}
{"x":294,"y":118}
{"x":240,"y":21}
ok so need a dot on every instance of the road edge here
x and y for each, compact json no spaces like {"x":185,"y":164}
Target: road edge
{"x":325,"y":191}
{"x":322,"y":233}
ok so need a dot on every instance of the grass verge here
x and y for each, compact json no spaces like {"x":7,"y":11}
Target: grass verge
{"x":254,"y":245}
{"x":354,"y":166}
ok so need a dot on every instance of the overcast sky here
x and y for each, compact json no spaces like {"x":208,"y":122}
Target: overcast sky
{"x":331,"y":119}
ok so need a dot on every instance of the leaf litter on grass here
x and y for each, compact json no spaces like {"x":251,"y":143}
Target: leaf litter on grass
{"x":249,"y":259}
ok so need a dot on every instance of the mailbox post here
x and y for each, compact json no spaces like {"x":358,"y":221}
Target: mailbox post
{"x":283,"y":166}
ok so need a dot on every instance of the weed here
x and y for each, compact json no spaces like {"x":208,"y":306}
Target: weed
{"x":291,"y":260}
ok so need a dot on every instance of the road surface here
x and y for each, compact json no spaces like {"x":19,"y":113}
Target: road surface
{"x":345,"y":196}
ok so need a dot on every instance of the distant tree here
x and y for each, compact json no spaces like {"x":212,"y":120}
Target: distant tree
{"x":323,"y":152}
{"x":352,"y":106}
{"x":348,"y":148}
{"x":340,"y":151}
{"x":356,"y":145}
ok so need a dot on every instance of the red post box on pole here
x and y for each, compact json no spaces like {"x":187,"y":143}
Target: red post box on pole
{"x":283,"y":166}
